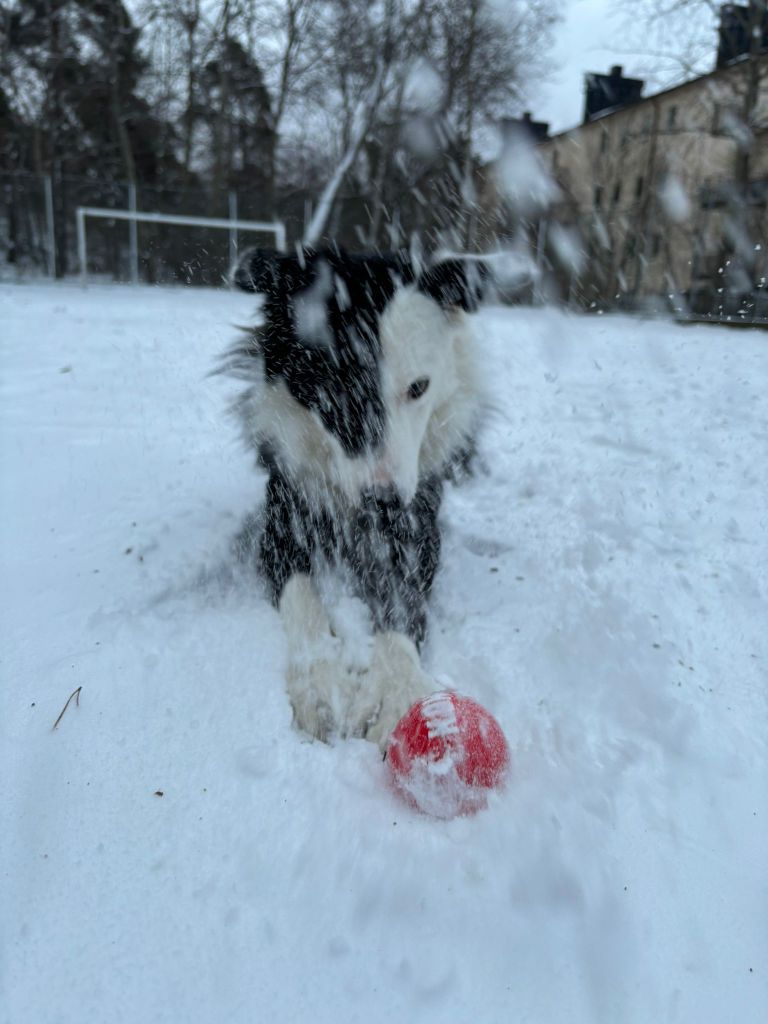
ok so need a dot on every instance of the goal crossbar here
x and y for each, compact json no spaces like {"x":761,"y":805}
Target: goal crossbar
{"x":233,"y":225}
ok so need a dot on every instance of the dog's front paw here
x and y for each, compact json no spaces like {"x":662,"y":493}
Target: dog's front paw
{"x":320,"y":692}
{"x":393,"y":683}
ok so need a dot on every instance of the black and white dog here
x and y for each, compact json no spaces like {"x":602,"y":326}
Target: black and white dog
{"x":362,"y":399}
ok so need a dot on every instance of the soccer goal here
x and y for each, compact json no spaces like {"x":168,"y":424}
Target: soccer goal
{"x":135,"y":217}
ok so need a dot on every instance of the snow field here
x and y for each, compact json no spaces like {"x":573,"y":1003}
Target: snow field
{"x":603,"y":594}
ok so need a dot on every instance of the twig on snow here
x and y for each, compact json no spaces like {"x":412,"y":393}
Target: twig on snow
{"x":76,"y":695}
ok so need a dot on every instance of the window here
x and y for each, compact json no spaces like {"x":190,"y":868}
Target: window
{"x":671,"y":117}
{"x":598,"y":195}
{"x":656,"y":245}
{"x":617,"y":192}
{"x":639,"y":186}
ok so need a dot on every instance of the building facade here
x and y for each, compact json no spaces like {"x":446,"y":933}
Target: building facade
{"x":660,"y":199}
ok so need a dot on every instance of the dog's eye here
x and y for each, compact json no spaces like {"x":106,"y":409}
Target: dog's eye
{"x":418,"y":388}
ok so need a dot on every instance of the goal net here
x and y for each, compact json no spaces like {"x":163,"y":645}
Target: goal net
{"x":276,"y":229}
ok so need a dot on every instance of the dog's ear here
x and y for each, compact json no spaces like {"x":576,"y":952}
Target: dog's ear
{"x":455,"y":283}
{"x":268,"y":271}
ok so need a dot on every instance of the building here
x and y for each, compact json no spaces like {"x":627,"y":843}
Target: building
{"x":660,"y":198}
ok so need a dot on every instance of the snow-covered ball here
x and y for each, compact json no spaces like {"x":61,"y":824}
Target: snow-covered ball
{"x":446,"y":753}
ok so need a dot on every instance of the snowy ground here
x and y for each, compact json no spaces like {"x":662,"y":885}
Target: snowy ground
{"x":603,"y":593}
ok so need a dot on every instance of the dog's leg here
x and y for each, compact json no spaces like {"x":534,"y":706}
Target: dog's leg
{"x":320,"y":684}
{"x":394,"y":681}
{"x":395,"y":571}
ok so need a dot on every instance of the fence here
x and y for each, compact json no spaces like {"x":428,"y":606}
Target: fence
{"x":617,"y":264}
{"x":39,"y":229}
{"x":39,"y":226}
{"x":703,"y":267}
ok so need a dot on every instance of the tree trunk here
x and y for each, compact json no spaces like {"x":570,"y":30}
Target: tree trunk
{"x":361,"y":123}
{"x":192,"y":21}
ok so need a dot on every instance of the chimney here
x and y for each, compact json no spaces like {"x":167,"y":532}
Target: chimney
{"x":742,"y":32}
{"x":604,"y":93}
{"x":533,"y":131}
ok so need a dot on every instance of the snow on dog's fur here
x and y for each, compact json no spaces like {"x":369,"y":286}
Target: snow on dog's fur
{"x":361,"y":399}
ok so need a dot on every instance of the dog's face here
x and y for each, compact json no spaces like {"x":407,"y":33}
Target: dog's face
{"x":366,"y":369}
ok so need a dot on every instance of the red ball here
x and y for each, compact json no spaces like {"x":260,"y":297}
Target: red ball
{"x":446,"y":753}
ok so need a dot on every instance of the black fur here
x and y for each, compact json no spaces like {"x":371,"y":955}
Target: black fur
{"x":389,"y":552}
{"x":455,"y":283}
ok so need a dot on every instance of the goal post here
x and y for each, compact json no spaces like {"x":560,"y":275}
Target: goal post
{"x":231,"y":224}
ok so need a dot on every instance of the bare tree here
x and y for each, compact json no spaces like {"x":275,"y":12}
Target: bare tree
{"x":280,"y":34}
{"x":476,"y":55}
{"x":180,"y":29}
{"x":370,"y":46}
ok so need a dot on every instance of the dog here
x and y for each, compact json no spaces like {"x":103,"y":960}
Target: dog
{"x":362,"y":399}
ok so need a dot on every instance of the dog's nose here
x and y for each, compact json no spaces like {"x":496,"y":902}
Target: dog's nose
{"x":380,"y":495}
{"x":384,"y":491}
